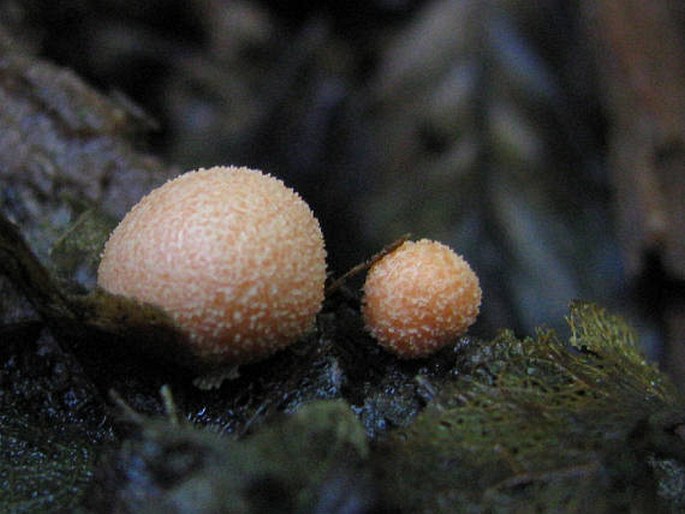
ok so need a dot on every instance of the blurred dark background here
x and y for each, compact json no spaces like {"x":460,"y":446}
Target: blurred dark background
{"x":542,"y":140}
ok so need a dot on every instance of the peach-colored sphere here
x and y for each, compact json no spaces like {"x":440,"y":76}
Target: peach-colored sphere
{"x":419,"y":298}
{"x":233,"y":255}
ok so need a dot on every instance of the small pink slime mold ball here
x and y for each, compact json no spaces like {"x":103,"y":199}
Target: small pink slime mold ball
{"x":233,"y":255}
{"x":419,"y":298}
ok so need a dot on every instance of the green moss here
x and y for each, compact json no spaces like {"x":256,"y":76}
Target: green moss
{"x":539,"y":424}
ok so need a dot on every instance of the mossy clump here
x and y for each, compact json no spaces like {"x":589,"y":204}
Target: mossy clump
{"x":541,"y":425}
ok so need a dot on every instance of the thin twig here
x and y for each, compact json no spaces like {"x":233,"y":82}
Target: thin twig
{"x":338,"y":283}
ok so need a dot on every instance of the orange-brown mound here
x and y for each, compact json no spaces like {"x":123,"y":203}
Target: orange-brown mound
{"x":235,"y":256}
{"x":419,"y":298}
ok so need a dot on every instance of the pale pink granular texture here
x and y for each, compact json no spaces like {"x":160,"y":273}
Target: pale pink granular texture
{"x":233,"y":255}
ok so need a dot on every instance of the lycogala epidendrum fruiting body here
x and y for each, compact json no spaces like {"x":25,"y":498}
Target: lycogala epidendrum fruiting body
{"x":419,"y":298}
{"x":233,"y":255}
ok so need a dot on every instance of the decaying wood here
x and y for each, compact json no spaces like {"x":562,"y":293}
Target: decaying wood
{"x":65,"y":145}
